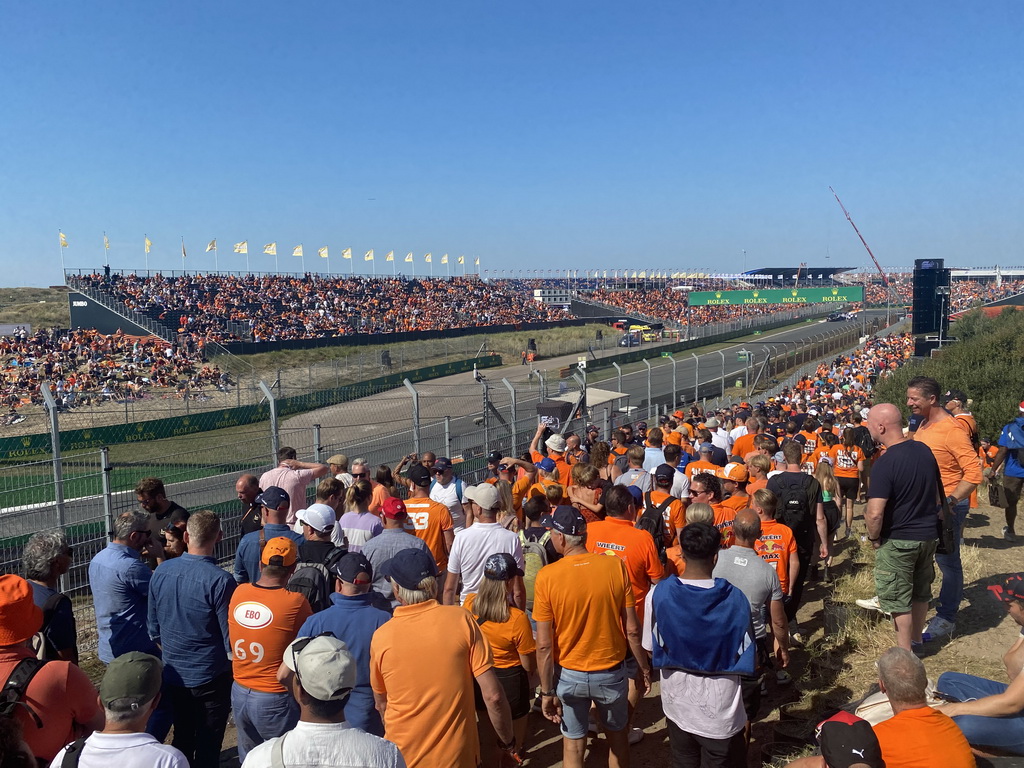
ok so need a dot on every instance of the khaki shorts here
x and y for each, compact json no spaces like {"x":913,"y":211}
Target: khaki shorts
{"x":904,"y":571}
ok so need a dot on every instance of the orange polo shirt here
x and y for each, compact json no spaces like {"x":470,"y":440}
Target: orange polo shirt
{"x":635,"y":548}
{"x":953,"y":451}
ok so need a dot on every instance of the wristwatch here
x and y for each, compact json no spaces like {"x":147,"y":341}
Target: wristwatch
{"x":549,"y":694}
{"x":952,"y":500}
{"x":507,"y":746}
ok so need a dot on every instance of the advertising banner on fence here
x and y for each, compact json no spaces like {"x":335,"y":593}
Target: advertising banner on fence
{"x":834,"y":295}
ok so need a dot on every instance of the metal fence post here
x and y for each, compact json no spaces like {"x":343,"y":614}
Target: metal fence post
{"x":696,"y":376}
{"x":618,"y":382}
{"x":275,"y":440}
{"x":58,"y":465}
{"x":447,"y":436}
{"x":674,"y":387}
{"x":108,"y":500}
{"x":649,"y":396}
{"x":317,"y":449}
{"x":722,"y":393}
{"x":514,"y":413}
{"x":416,"y":416}
{"x":543,"y":385}
{"x":487,"y":416}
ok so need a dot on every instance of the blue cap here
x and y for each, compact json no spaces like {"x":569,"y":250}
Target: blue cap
{"x":636,"y":493}
{"x":409,"y":567}
{"x":565,"y":519}
{"x":706,"y":448}
{"x":548,"y":465}
{"x":501,"y":566}
{"x":273,"y":497}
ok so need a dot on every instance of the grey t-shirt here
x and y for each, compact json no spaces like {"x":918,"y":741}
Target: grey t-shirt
{"x":745,"y":570}
{"x":641,"y":478}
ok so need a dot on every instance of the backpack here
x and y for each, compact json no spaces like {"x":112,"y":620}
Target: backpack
{"x":865,"y":442}
{"x":794,"y":511}
{"x":622,"y":463}
{"x":975,"y":439}
{"x":653,"y":521}
{"x":535,"y":557}
{"x":458,"y":487}
{"x":43,"y":648}
{"x":12,"y":695}
{"x":314,"y":580}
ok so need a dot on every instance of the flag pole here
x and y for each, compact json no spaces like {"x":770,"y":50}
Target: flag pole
{"x":183,"y":253}
{"x":146,"y":249}
{"x":105,"y":254}
{"x":60,"y":247}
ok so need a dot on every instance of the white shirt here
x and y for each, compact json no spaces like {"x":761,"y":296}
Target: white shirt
{"x":126,"y":750}
{"x":447,"y":495}
{"x":705,"y":705}
{"x":472,"y":547}
{"x":333,"y":745}
{"x":738,"y":432}
{"x":680,"y":485}
{"x":721,"y":438}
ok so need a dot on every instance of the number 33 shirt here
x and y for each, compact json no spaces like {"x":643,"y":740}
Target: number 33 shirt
{"x":262,"y":621}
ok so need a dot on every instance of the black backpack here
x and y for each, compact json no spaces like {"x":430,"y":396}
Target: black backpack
{"x":864,"y":441}
{"x":794,"y":511}
{"x":12,"y":695}
{"x":653,"y":521}
{"x":314,"y":580}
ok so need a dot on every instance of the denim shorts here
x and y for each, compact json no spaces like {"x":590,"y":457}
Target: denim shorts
{"x":606,"y":689}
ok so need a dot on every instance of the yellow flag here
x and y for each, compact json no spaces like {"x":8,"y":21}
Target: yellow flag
{"x":408,"y":258}
{"x":323,"y":252}
{"x":478,"y":261}
{"x":428,"y":259}
{"x":368,"y":256}
{"x":242,"y":247}
{"x":444,"y":259}
{"x":390,"y":256}
{"x":347,"y":253}
{"x":212,"y":245}
{"x":148,"y":244}
{"x":270,"y":249}
{"x":462,"y":259}
{"x":106,"y":243}
{"x":297,"y":250}
{"x":63,"y":240}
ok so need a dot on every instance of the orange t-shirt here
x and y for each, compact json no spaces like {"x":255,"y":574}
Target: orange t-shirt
{"x":922,"y":738}
{"x":811,"y":441}
{"x":509,"y":640}
{"x":737,"y":503}
{"x":425,"y":660}
{"x":674,"y":515}
{"x":262,"y":621}
{"x":845,"y":460}
{"x":428,"y":520}
{"x":583,"y":597}
{"x":563,"y":467}
{"x":676,"y":562}
{"x":756,"y":485}
{"x":519,"y":489}
{"x":60,"y":694}
{"x":744,"y":444}
{"x":696,"y":467}
{"x":953,"y":451}
{"x":724,"y":517}
{"x":380,"y":492}
{"x":775,"y":547}
{"x":635,"y":548}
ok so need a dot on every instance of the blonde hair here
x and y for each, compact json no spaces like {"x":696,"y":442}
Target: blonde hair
{"x":425,"y":590}
{"x":766,"y":501}
{"x":358,"y":496}
{"x":552,"y":475}
{"x":504,"y":489}
{"x":203,"y":527}
{"x":584,"y":474}
{"x":491,"y":601}
{"x":700,"y":513}
{"x":554,"y":494}
{"x":762,"y":462}
{"x":826,"y":478}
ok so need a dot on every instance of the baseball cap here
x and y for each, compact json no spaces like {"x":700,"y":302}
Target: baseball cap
{"x":565,"y":519}
{"x":325,"y":668}
{"x":636,"y":493}
{"x":954,"y":394}
{"x":595,"y":428}
{"x":132,"y":678}
{"x":556,"y":443}
{"x":501,"y":566}
{"x":641,"y":425}
{"x":273,"y":497}
{"x":679,"y":415}
{"x":484,"y":495}
{"x":20,"y":617}
{"x":494,"y":457}
{"x":848,"y":740}
{"x":1011,"y":589}
{"x":350,"y":565}
{"x":419,"y":476}
{"x":280,"y":551}
{"x":338,"y":458}
{"x":712,"y":423}
{"x":393,"y":508}
{"x":319,"y":517}
{"x":548,"y":465}
{"x":706,"y":448}
{"x":664,"y":474}
{"x":409,"y":567}
{"x":733,"y":471}
{"x":745,"y":404}
{"x":442,"y":463}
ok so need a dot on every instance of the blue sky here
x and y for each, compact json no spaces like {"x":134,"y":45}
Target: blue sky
{"x":578,"y":135}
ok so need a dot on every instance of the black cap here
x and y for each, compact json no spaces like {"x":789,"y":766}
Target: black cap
{"x":442,"y":463}
{"x":409,"y":567}
{"x":565,"y":519}
{"x":494,"y":457}
{"x":501,"y":566}
{"x":273,"y":497}
{"x":419,"y":475}
{"x":954,"y":394}
{"x":664,"y":474}
{"x":351,"y":565}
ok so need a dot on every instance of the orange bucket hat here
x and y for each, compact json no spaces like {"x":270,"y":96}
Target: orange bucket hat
{"x":20,"y":617}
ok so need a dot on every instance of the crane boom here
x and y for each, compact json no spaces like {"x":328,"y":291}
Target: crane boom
{"x":885,"y":279}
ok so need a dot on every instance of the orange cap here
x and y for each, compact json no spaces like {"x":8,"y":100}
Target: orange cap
{"x":282,"y":547}
{"x":20,"y":617}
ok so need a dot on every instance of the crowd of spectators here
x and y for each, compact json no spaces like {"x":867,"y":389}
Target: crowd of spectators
{"x":964,"y":294}
{"x":673,"y":306}
{"x":86,"y":366}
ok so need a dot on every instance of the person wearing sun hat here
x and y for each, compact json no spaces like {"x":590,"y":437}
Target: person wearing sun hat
{"x":63,"y":699}
{"x":320,"y":671}
{"x":129,"y":694}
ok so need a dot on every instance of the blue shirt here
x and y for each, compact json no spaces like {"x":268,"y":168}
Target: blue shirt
{"x":1012,"y":467}
{"x":381,"y":548}
{"x":188,"y":616}
{"x":247,"y":556}
{"x":353,"y":619}
{"x":120,"y":592}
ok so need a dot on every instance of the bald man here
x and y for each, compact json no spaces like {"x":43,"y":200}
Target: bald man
{"x":901,"y":517}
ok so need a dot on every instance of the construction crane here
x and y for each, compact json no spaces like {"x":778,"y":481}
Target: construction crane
{"x":885,"y":279}
{"x":803,"y":266}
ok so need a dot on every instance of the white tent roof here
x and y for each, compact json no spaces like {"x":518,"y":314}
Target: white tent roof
{"x":595,"y":396}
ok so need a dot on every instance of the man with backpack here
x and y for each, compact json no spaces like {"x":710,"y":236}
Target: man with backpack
{"x":663,"y":510}
{"x":312,"y":576}
{"x":354,"y":615}
{"x":45,"y":558}
{"x":802,"y":510}
{"x":263,"y":618}
{"x":449,"y":490}
{"x":1011,"y":454}
{"x":63,"y":700}
{"x":389,"y":542}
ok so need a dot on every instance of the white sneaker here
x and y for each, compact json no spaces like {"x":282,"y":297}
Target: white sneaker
{"x":871,"y":604}
{"x":937,"y":627}
{"x":636,"y":735}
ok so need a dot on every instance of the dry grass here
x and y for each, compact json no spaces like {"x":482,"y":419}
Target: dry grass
{"x":39,"y":307}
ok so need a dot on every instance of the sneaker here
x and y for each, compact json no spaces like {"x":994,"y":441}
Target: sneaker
{"x":871,"y":604}
{"x":1008,"y":534}
{"x":636,"y":735}
{"x":937,"y":627}
{"x":796,"y":635}
{"x":918,"y":649}
{"x":782,"y":677}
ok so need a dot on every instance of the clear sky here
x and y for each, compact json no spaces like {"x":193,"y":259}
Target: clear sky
{"x":573,"y":135}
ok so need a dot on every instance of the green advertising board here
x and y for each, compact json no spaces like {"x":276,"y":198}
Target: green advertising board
{"x":834,"y":295}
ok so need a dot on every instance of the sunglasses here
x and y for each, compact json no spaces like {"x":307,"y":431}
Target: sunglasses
{"x":359,"y":474}
{"x":299,"y":646}
{"x":438,"y":471}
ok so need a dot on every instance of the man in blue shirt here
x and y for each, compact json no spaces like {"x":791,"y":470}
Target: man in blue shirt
{"x":1011,"y":442}
{"x":354,"y":615}
{"x":275,"y":503}
{"x":188,"y":618}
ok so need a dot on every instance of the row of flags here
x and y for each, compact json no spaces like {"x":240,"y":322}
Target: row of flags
{"x":271,"y":250}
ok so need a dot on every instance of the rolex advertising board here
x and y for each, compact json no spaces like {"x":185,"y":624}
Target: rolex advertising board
{"x":833,"y":295}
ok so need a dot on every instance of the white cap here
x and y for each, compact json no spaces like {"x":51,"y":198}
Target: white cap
{"x":319,"y":517}
{"x":484,"y":496}
{"x":556,"y":443}
{"x":324,"y":665}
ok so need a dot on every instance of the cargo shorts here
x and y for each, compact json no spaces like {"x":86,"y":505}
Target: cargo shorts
{"x":904,"y":572}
